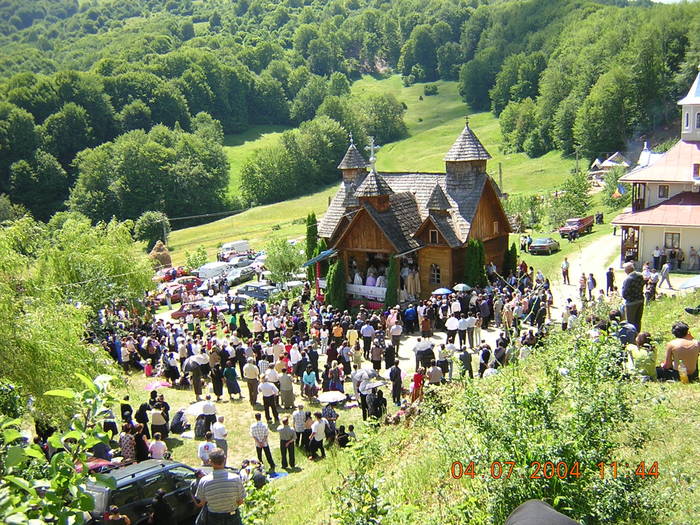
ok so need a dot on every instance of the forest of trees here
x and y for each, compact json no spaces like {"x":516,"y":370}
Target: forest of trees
{"x":116,"y":108}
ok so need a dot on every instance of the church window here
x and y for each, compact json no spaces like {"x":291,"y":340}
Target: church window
{"x":433,"y":237}
{"x":434,"y":274}
{"x":697,"y":121}
{"x":663,"y":191}
{"x":495,"y":227}
{"x":687,"y":120}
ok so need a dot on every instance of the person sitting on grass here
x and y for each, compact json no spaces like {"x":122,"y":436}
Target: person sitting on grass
{"x":683,"y":348}
{"x":642,"y":357}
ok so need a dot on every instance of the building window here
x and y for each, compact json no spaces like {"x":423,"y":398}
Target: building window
{"x":696,"y":171}
{"x":434,"y":274}
{"x":687,"y":120}
{"x":663,"y":191}
{"x":697,"y":121}
{"x":495,"y":227}
{"x":433,"y":237}
{"x":672,"y":240}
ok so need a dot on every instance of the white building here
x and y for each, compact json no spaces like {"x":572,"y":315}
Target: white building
{"x":666,"y":197}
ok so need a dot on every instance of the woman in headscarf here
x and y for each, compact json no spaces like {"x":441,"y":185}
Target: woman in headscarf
{"x":243,"y":330}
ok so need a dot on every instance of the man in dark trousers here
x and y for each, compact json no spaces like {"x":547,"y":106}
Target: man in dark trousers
{"x":395,"y":377}
{"x":484,"y":358}
{"x":465,"y":358}
{"x":609,"y":281}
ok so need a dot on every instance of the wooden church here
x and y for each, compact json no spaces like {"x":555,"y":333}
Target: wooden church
{"x":424,"y":219}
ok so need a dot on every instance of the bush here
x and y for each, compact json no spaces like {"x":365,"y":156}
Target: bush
{"x":151,"y":227}
{"x":195,"y":259}
{"x":576,"y":410}
{"x":430,"y":90}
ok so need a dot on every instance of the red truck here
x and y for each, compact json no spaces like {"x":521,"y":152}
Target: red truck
{"x":578,"y":225}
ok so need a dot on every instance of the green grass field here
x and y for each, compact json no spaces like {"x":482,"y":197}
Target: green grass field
{"x":258,"y":225}
{"x":435,"y":122}
{"x":241,"y":146}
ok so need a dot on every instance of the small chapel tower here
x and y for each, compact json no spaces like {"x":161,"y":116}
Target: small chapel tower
{"x":690,"y":117}
{"x":467,"y":155}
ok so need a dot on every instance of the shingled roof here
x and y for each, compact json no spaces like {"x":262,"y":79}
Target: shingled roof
{"x":467,"y":147}
{"x":373,"y":186}
{"x":438,"y":200}
{"x":399,"y":222}
{"x":462,"y":196}
{"x":353,"y":159}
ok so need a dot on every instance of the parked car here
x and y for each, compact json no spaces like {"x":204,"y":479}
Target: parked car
{"x":176,"y":291}
{"x":240,"y":261}
{"x":231,"y":249}
{"x":165,"y":275}
{"x":189,"y":281}
{"x":544,"y":245}
{"x":240,"y":275}
{"x":135,"y":486}
{"x":261,"y":291}
{"x":199,"y":309}
{"x":213,"y":270}
{"x":579,"y":225}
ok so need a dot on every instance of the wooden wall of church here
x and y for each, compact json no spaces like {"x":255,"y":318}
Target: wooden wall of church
{"x":491,"y":226}
{"x":364,"y":235}
{"x":441,"y":256}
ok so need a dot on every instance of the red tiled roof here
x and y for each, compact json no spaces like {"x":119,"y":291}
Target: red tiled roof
{"x":676,"y":165}
{"x":680,"y":210}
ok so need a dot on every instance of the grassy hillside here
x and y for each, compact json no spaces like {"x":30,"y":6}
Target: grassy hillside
{"x":240,"y":146}
{"x":434,"y":123}
{"x":258,"y":225}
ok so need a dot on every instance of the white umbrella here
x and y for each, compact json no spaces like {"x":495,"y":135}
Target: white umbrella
{"x":375,"y":384}
{"x":331,"y":397}
{"x":461,"y":287}
{"x":195,"y":409}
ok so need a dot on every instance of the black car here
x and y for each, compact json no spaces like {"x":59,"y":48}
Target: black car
{"x":545,"y":245}
{"x":136,"y":485}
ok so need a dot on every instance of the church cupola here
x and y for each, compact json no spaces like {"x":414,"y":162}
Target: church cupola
{"x":466,"y":156}
{"x":353,"y":165}
{"x":690,"y":118}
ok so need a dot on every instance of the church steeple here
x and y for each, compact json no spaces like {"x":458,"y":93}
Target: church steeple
{"x":690,"y":118}
{"x":467,"y":155}
{"x":353,"y":164}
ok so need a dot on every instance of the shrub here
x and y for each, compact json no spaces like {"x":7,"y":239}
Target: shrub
{"x":430,"y":90}
{"x":195,"y":259}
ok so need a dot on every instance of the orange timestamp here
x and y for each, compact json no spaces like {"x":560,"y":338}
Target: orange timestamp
{"x":551,"y":469}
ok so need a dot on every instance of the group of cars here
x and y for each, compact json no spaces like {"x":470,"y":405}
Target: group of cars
{"x":236,"y":264}
{"x":572,"y":229}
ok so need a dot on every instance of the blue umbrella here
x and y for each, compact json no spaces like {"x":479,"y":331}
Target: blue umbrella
{"x":442,"y":291}
{"x":693,"y":282}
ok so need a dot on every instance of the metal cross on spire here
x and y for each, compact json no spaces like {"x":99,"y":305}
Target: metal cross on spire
{"x":372,"y":148}
{"x":466,"y":120}
{"x":352,"y":142}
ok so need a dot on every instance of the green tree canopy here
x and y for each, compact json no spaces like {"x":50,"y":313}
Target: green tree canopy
{"x":283,"y":260}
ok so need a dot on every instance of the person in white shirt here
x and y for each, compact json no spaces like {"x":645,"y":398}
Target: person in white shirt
{"x":219,"y":433}
{"x":456,"y":307}
{"x":451,"y":325}
{"x":318,"y":434}
{"x":470,"y":323}
{"x":205,"y":448}
{"x":157,"y":448}
{"x":209,"y":411}
{"x":269,"y":393}
{"x":395,"y":333}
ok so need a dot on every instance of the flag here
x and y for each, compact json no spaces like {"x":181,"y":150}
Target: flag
{"x":621,"y":190}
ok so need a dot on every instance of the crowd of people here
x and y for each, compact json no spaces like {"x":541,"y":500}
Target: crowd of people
{"x":274,"y":354}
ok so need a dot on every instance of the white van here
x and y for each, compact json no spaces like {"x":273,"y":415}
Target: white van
{"x":213,"y":270}
{"x":229,"y":249}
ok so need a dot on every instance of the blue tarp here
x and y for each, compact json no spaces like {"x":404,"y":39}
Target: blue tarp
{"x":320,"y":257}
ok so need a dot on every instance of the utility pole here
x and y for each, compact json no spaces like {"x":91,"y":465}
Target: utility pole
{"x":577,"y":161}
{"x":500,"y":176}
